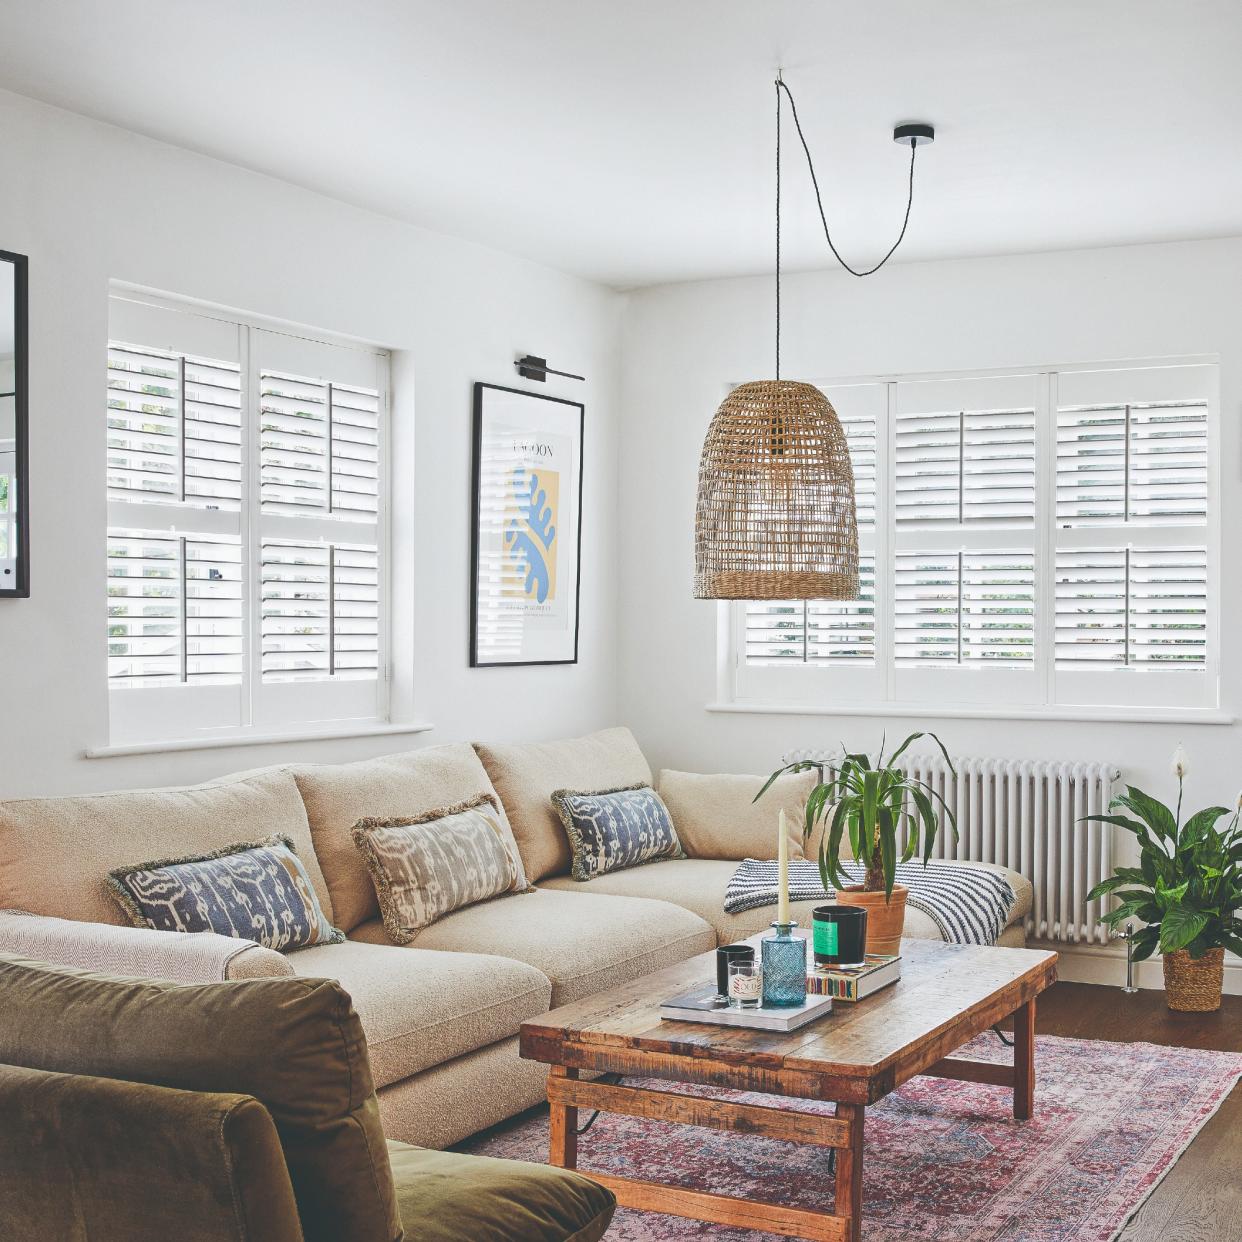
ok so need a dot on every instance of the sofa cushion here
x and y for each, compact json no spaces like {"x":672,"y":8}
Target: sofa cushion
{"x":420,"y":1007}
{"x":440,"y":861}
{"x":526,"y":777}
{"x":582,"y":941}
{"x":56,"y":853}
{"x":457,"y":1198}
{"x":615,"y":828}
{"x":699,"y":885}
{"x":338,"y":795}
{"x":696,"y":884}
{"x":256,"y":890}
{"x":296,"y":1045}
{"x":718,"y":817}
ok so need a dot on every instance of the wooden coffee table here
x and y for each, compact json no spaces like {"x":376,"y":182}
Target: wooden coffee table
{"x":947,"y":995}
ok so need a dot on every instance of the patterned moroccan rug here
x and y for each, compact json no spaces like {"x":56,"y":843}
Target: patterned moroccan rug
{"x":944,"y":1160}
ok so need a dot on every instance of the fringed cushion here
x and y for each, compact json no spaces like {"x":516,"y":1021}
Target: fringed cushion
{"x":253,"y":890}
{"x":615,"y":828}
{"x":427,"y":865}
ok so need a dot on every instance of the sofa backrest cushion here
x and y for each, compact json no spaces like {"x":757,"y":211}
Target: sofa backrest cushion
{"x":294,"y":1044}
{"x":56,"y":853}
{"x":410,"y":784}
{"x":526,"y":776}
{"x":716,"y":816}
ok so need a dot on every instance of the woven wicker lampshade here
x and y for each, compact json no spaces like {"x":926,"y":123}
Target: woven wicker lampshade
{"x":775,"y":516}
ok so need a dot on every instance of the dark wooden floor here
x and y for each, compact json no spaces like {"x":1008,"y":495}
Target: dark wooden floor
{"x":1201,"y":1198}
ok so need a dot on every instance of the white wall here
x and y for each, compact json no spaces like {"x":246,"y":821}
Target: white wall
{"x":684,"y":343}
{"x":89,"y":203}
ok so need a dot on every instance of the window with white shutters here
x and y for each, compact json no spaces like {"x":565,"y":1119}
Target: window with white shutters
{"x":1034,"y":541}
{"x":245,"y":586}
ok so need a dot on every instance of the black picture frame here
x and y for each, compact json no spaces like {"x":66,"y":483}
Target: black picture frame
{"x":20,"y":588}
{"x":481,"y":390}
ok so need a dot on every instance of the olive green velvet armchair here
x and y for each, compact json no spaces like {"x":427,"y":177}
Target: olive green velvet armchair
{"x":140,"y":1110}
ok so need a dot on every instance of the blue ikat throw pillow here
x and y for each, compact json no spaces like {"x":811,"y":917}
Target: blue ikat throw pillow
{"x":616,"y":828}
{"x":253,"y":890}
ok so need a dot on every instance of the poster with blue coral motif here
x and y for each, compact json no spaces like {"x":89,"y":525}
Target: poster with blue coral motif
{"x":527,"y":527}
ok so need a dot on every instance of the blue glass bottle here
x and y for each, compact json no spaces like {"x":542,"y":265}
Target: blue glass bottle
{"x":784,"y":968}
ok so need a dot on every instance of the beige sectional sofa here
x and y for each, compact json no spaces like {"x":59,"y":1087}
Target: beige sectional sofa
{"x":441,"y":1014}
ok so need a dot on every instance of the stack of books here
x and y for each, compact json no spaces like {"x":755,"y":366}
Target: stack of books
{"x":704,"y":1006}
{"x":854,"y":983}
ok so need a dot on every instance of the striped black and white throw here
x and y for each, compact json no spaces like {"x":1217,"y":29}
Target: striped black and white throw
{"x":968,"y":904}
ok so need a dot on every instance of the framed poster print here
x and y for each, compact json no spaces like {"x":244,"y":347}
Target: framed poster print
{"x":526,"y":528}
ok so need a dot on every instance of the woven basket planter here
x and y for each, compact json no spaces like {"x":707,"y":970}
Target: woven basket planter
{"x":775,"y":515}
{"x":1194,"y":986}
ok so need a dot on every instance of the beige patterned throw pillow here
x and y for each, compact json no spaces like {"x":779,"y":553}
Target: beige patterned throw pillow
{"x":427,"y":865}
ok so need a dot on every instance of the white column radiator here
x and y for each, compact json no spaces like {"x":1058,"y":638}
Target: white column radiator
{"x":1027,"y":815}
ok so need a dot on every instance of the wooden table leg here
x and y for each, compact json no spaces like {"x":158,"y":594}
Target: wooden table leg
{"x":1024,"y":1061}
{"x":849,"y":1171}
{"x":563,"y":1144}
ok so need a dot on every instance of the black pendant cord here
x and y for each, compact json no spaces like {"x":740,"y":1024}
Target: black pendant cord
{"x":793,"y":107}
{"x":779,"y":84}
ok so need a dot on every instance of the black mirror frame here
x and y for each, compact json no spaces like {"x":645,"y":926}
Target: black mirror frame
{"x":21,"y":590}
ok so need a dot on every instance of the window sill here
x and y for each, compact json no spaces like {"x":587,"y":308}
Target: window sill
{"x":221,"y":741}
{"x":1121,"y":715}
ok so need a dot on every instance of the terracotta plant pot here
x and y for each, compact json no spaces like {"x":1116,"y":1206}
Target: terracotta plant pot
{"x":885,"y":919}
{"x":1194,"y":986}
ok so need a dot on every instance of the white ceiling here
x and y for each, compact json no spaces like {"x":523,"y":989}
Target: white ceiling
{"x":631,"y":140}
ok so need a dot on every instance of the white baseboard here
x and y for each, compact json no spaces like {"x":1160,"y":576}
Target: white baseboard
{"x":1097,"y":963}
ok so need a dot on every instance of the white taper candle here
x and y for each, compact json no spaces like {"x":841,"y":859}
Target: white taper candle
{"x":782,"y":897}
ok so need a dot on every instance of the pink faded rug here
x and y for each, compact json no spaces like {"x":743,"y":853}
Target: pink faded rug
{"x":944,"y":1160}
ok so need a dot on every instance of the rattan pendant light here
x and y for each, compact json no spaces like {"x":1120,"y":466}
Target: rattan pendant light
{"x":775,"y":514}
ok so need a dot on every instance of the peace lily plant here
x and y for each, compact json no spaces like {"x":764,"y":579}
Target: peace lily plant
{"x":1187,"y":889}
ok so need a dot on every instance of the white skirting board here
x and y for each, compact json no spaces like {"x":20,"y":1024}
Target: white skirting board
{"x":1107,"y":966}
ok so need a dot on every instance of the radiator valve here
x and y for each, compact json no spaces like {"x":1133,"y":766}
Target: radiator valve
{"x":1128,"y":937}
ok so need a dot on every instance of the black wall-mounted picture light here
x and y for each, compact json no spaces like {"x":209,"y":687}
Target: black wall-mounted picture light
{"x":532,"y":368}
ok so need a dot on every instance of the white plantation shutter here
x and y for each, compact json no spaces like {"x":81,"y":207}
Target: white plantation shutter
{"x":1142,"y":462}
{"x":319,"y":446}
{"x":969,"y":463}
{"x":860,"y":432}
{"x":320,"y":611}
{"x":1134,"y":571}
{"x":814,"y":631}
{"x":174,"y":609}
{"x":1132,"y":608}
{"x":964,"y":608}
{"x":174,"y":428}
{"x":320,"y":575}
{"x":963,"y":570}
{"x":229,"y":608}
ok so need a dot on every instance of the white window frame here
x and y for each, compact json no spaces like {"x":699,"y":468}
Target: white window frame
{"x":173,"y":715}
{"x":882,"y":689}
